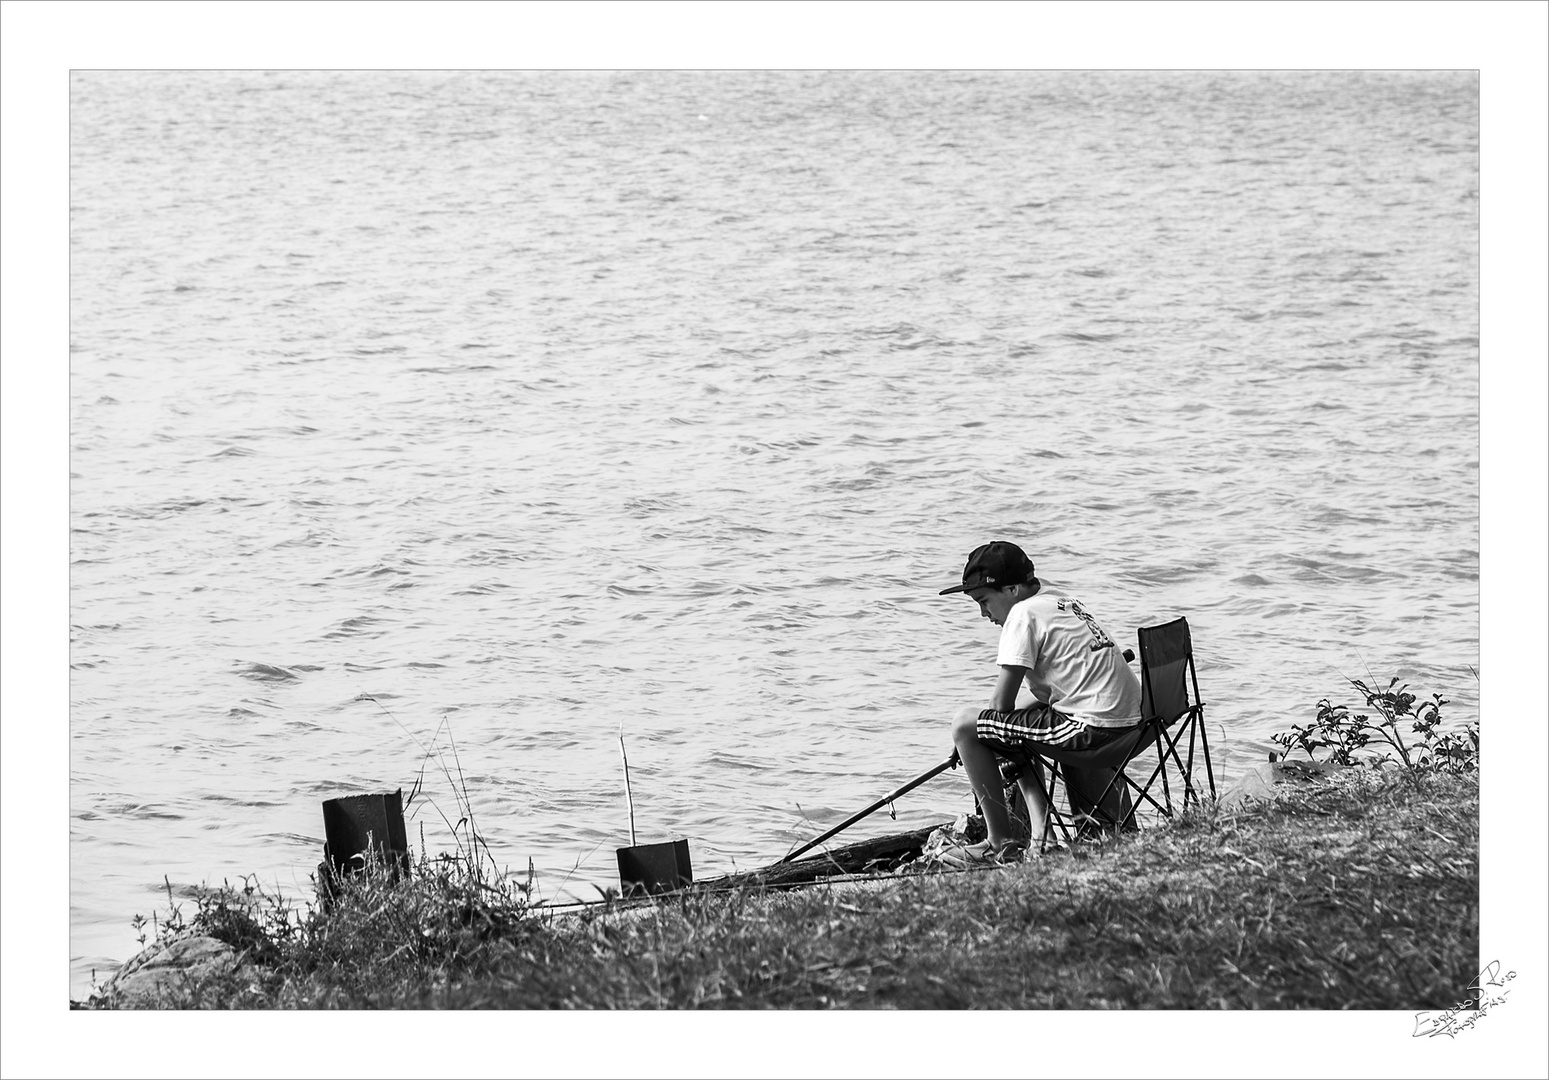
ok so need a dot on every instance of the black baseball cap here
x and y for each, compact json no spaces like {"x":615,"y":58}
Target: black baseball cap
{"x":994,"y":565}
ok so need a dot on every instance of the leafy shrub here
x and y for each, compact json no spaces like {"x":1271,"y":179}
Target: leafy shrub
{"x":1345,"y":733}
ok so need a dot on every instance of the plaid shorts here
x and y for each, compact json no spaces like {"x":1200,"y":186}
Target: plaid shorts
{"x":1040,"y":723}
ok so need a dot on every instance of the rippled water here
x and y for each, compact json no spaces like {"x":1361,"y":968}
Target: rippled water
{"x":538,"y":405}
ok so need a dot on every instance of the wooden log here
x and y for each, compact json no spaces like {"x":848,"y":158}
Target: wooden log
{"x":880,"y":854}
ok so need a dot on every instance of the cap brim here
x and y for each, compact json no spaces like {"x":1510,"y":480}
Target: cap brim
{"x":955,"y":588}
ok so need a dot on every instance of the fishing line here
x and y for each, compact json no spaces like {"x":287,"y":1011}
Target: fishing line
{"x":628,"y":794}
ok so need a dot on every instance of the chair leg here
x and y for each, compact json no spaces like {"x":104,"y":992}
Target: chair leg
{"x":1193,"y":726}
{"x":1199,"y":718}
{"x":1165,"y":748}
{"x":1145,"y":792}
{"x":1197,"y":728}
{"x":1035,"y":766}
{"x":1058,"y":774}
{"x":1204,"y":743}
{"x":1188,"y":772}
{"x":1172,"y":752}
{"x":1054,"y":817}
{"x":1058,"y":821}
{"x":1132,"y":819}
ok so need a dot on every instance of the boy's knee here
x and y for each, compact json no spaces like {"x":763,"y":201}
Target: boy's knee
{"x":965,"y":725}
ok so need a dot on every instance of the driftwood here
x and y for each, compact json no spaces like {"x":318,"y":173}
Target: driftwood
{"x":880,"y":855}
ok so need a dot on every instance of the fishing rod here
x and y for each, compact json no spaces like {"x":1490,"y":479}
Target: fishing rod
{"x":950,"y":763}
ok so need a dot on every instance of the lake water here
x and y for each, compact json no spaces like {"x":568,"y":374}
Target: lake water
{"x":534,"y":406}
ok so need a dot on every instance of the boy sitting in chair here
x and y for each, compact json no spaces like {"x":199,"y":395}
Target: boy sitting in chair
{"x":1063,"y":683}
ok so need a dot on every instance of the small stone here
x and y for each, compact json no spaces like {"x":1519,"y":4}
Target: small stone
{"x":163,"y":968}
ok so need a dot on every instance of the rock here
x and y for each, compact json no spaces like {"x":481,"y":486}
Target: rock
{"x":1257,"y":783}
{"x":1260,"y":781}
{"x":163,"y":969}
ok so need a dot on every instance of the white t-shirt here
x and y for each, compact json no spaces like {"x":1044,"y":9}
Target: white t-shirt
{"x":1072,"y":663}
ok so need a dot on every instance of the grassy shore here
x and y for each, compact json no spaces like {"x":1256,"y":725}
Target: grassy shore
{"x":1360,"y":891}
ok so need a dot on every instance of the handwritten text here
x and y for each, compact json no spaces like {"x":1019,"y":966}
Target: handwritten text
{"x":1485,"y":993}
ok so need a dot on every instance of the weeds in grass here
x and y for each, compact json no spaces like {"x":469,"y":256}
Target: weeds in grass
{"x":378,"y":929}
{"x":472,"y":849}
{"x":368,"y":923}
{"x":1361,"y":892}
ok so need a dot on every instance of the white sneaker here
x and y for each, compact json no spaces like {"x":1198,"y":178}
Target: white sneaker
{"x":982,"y":854}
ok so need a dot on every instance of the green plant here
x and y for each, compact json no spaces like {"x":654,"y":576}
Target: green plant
{"x":1344,"y":733}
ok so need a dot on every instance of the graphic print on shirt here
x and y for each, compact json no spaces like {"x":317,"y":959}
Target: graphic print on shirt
{"x":1101,"y":640}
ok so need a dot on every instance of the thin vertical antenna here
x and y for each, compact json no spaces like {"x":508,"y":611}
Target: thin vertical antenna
{"x":628,"y":795}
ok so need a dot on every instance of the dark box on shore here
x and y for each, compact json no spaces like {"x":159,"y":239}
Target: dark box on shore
{"x":364,"y":827}
{"x":655,"y":868}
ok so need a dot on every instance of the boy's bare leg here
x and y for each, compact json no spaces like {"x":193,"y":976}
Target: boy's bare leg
{"x":1016,"y":803}
{"x":1034,"y":794}
{"x":983,"y":770}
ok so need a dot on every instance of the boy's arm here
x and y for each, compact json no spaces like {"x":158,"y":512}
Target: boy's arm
{"x":1004,"y":699}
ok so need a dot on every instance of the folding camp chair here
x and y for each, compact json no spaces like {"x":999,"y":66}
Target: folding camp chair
{"x":1166,"y":656}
